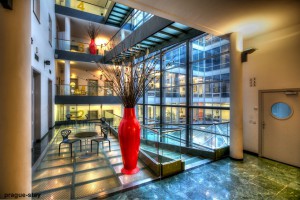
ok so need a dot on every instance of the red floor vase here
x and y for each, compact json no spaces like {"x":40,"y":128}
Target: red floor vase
{"x":129,"y":138}
{"x":93,"y":47}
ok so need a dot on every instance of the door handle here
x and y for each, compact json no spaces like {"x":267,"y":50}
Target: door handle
{"x":263,"y":125}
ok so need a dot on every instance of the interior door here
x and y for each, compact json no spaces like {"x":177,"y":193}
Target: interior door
{"x":50,"y":101}
{"x":281,"y":126}
{"x":108,"y":91}
{"x":74,"y":86}
{"x":93,"y":87}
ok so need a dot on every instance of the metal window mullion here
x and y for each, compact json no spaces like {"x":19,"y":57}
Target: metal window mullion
{"x":187,"y":81}
{"x":144,"y":100}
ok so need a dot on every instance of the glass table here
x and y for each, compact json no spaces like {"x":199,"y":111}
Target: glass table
{"x":86,"y":136}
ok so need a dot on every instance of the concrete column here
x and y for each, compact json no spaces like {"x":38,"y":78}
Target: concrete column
{"x":67,"y":33}
{"x":67,"y":81}
{"x":236,"y":96}
{"x":67,"y":75}
{"x":15,"y":103}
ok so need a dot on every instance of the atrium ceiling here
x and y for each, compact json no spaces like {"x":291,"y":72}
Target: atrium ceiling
{"x":218,"y":17}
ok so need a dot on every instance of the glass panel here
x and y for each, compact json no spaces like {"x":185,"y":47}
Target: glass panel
{"x":281,"y":110}
{"x":174,"y":79}
{"x":139,"y":113}
{"x":95,"y":8}
{"x":136,"y":19}
{"x":174,"y":115}
{"x":152,"y":114}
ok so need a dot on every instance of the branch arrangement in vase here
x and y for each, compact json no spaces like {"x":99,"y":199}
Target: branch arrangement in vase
{"x":93,"y":31}
{"x":131,"y":79}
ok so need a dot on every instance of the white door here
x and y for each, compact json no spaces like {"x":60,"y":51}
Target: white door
{"x":281,"y":126}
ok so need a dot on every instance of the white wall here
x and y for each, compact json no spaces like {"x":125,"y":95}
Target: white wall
{"x":39,"y":34}
{"x":275,"y":65}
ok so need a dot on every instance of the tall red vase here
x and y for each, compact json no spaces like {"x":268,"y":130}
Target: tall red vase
{"x":129,"y":138}
{"x":93,"y":47}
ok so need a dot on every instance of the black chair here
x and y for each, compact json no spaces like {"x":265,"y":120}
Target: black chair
{"x":65,"y":134}
{"x":68,"y":117}
{"x":87,"y":119}
{"x":104,"y":122}
{"x":104,"y":131}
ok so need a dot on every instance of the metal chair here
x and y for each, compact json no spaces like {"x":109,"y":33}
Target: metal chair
{"x":65,"y":134}
{"x":101,"y":139}
{"x":87,"y":119}
{"x":68,"y":117}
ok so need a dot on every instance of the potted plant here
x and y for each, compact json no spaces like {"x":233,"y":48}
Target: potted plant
{"x":93,"y":32}
{"x":130,"y":81}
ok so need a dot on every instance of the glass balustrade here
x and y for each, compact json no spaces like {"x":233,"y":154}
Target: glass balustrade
{"x":210,"y":136}
{"x":83,"y":90}
{"x":166,"y":145}
{"x":96,"y":8}
{"x":77,"y":46}
{"x":135,"y":20}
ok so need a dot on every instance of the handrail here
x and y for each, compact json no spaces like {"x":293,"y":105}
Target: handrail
{"x":77,"y":46}
{"x":83,"y":90}
{"x":141,"y":124}
{"x":214,"y":123}
{"x":130,"y":17}
{"x":201,"y":141}
{"x":72,"y":40}
{"x":113,"y":114}
{"x":92,"y":8}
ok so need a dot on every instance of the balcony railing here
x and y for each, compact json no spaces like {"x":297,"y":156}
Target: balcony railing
{"x":209,"y":136}
{"x":136,"y":19}
{"x":85,"y":6}
{"x":83,"y":90}
{"x":77,"y":46}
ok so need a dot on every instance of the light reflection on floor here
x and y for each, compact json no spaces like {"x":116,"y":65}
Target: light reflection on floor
{"x":63,"y":177}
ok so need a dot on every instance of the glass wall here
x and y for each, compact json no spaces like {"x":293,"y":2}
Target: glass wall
{"x":134,"y":20}
{"x":209,"y":77}
{"x":192,"y":93}
{"x":85,"y":111}
{"x":174,"y":76}
{"x":139,"y":17}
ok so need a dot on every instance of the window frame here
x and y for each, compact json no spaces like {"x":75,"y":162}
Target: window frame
{"x":50,"y":30}
{"x":37,"y":8}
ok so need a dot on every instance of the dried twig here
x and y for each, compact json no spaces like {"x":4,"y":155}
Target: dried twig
{"x":130,"y":80}
{"x":93,"y":31}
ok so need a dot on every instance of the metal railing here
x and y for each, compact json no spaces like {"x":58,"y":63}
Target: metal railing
{"x":83,"y":90}
{"x":210,"y":136}
{"x":84,"y":6}
{"x":77,"y":46}
{"x":127,"y":28}
{"x":151,"y":138}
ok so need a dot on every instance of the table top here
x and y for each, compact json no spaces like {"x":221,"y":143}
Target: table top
{"x":85,"y":134}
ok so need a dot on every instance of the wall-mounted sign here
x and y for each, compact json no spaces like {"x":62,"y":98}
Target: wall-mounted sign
{"x":36,"y":57}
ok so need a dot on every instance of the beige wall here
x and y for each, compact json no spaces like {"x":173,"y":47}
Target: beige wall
{"x":275,"y":65}
{"x":15,"y":101}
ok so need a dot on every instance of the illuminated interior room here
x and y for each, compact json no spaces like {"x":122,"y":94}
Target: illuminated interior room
{"x":219,"y":118}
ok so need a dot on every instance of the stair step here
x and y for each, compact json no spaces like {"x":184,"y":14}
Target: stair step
{"x":196,"y":162}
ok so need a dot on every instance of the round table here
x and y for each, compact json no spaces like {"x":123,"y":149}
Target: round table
{"x":86,"y":136}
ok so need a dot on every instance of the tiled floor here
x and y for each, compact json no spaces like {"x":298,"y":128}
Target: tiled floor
{"x":253,"y":178}
{"x":72,"y":178}
{"x":63,"y":177}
